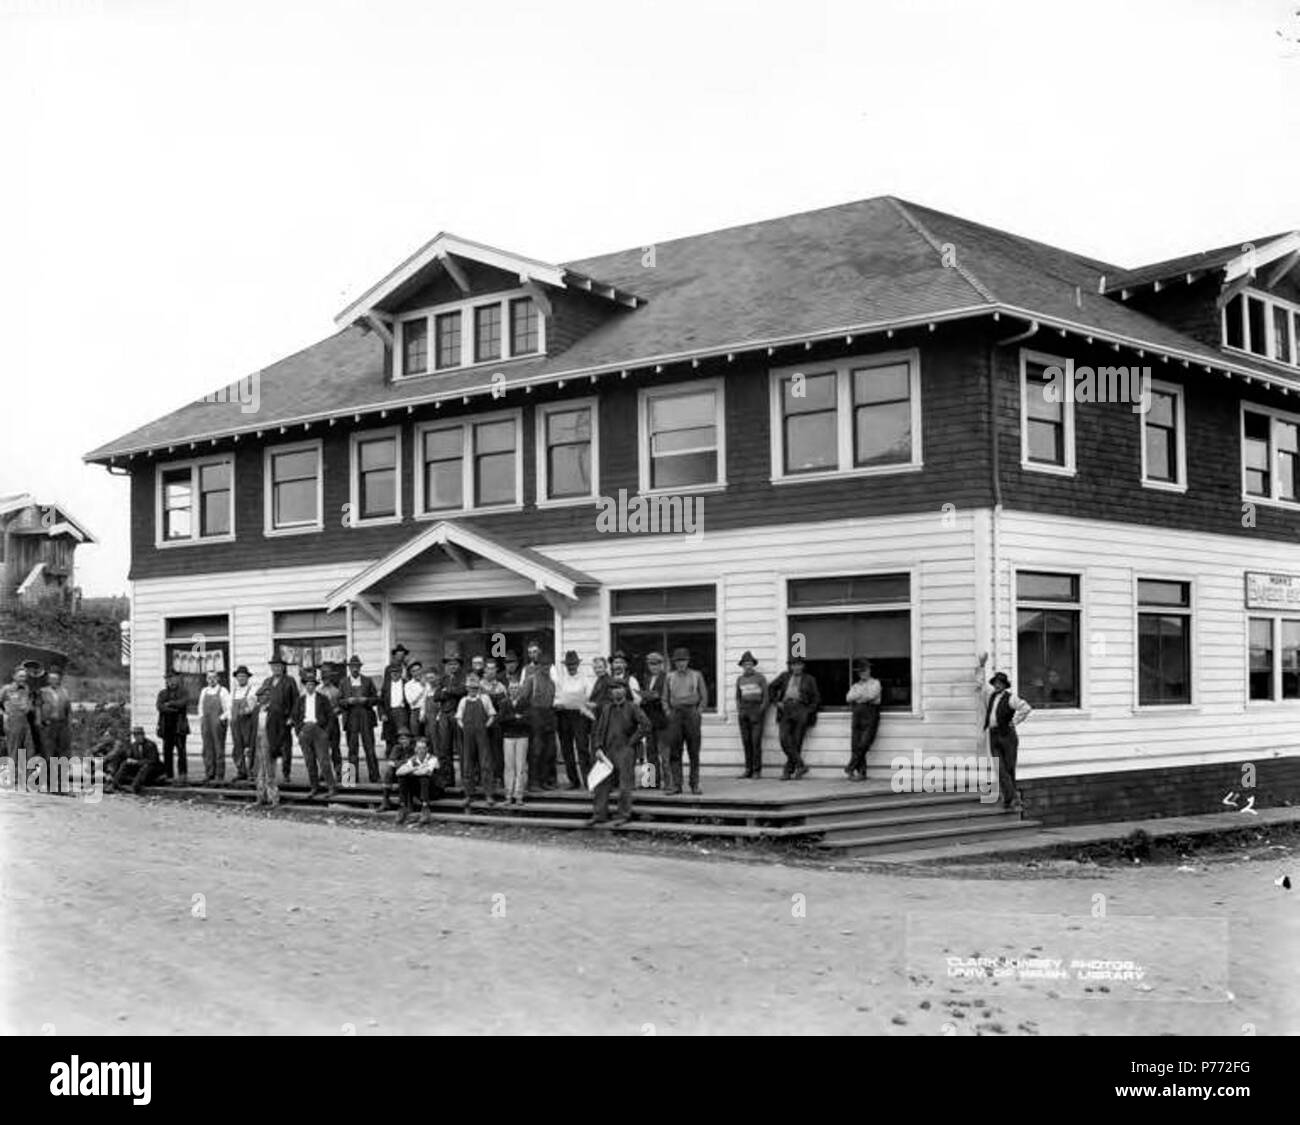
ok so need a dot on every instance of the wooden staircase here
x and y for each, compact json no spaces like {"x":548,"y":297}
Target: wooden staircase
{"x":835,"y":818}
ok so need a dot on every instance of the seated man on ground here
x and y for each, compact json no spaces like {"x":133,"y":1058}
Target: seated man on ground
{"x":417,"y":779}
{"x":142,"y":765}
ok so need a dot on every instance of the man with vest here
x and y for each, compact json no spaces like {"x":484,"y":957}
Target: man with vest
{"x":537,"y":701}
{"x":620,"y":726}
{"x":359,"y":701}
{"x":751,"y":707}
{"x":1002,"y":714}
{"x":652,"y":703}
{"x":281,"y":695}
{"x":686,"y":695}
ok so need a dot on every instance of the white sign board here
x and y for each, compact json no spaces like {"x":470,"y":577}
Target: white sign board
{"x":1272,"y":591}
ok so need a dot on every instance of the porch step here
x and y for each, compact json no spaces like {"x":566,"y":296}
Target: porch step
{"x":880,"y":842}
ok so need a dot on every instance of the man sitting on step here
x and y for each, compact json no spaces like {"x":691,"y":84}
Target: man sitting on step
{"x":417,"y":779}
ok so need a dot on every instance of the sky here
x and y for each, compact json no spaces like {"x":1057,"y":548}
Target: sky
{"x":192,"y":190}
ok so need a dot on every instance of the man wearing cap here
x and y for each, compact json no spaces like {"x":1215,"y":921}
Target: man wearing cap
{"x":797,"y":699}
{"x":243,"y":722}
{"x":619,"y":670}
{"x":359,"y":701}
{"x":393,"y":713}
{"x":139,"y":766}
{"x":686,"y":695}
{"x":751,"y":707}
{"x":173,"y":726}
{"x":397,"y":659}
{"x":864,"y":701}
{"x":214,"y":718}
{"x":655,"y":708}
{"x":281,"y":695}
{"x":1003,"y":712}
{"x":537,"y":701}
{"x":621,"y":725}
{"x":312,"y":715}
{"x":573,"y":718}
{"x":266,"y":748}
{"x":329,"y":688}
{"x":17,"y":703}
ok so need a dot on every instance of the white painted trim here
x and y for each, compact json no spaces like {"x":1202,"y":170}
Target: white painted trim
{"x":843,"y":370}
{"x":1028,"y":356}
{"x":354,"y":481}
{"x":1085,"y":637}
{"x":193,"y":464}
{"x":442,"y":244}
{"x":716,"y":709}
{"x":1247,"y":262}
{"x":540,"y":414}
{"x":1180,"y":436}
{"x":466,"y":426}
{"x":270,"y":451}
{"x":447,"y":531}
{"x":670,"y":390}
{"x":1269,"y":301}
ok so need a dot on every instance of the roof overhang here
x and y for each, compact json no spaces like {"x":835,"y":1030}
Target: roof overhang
{"x":551,"y":580}
{"x":446,"y":249}
{"x":55,"y":518}
{"x":1284,"y":250}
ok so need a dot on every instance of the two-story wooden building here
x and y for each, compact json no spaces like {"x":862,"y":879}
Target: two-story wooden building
{"x":858,"y":402}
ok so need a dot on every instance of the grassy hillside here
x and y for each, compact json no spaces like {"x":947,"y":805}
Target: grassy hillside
{"x":92,"y":640}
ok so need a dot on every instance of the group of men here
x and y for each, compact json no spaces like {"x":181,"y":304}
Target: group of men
{"x":36,"y":720}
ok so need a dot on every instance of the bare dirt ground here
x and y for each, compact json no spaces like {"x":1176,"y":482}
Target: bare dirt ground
{"x":145,"y":915}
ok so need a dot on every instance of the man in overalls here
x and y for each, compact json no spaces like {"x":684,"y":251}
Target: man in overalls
{"x":1002,"y":714}
{"x":474,"y":714}
{"x":214,"y":716}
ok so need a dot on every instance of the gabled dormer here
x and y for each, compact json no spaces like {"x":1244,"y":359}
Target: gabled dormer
{"x":457,"y":304}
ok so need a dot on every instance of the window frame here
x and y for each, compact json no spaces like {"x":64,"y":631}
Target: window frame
{"x":1189,"y":612}
{"x":784,"y":612}
{"x":354,"y":477}
{"x":291,"y":635}
{"x":1179,"y":483}
{"x":541,"y":413}
{"x":1269,"y":302}
{"x":467,"y":307}
{"x":647,"y":395}
{"x":1274,"y":415}
{"x":220,"y":641}
{"x":718,"y":706}
{"x":466,"y":425}
{"x":844,"y":415}
{"x":268,"y":489}
{"x":194,"y":464}
{"x":1275,"y":618}
{"x":1080,"y":607}
{"x":1045,"y":359}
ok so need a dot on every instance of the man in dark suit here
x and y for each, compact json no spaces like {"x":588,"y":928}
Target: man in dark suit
{"x":797,"y":699}
{"x":360,"y":698}
{"x":173,"y":726}
{"x":139,"y":766}
{"x":620,"y":726}
{"x":281,"y":695}
{"x":312,"y":715}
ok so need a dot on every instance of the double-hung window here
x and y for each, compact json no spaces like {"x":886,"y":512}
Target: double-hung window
{"x":1270,"y":454}
{"x":487,"y":329}
{"x":1048,"y":609}
{"x":1263,"y":325}
{"x":196,"y":501}
{"x":1164,"y":641}
{"x":683,"y":436}
{"x":376,"y":485}
{"x":468,"y":464}
{"x":567,"y":452}
{"x":1164,"y":458}
{"x":857,"y":415}
{"x":1046,"y":413}
{"x":293,"y":488}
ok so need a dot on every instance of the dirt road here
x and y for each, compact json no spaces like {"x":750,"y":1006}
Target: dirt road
{"x":137,"y":915}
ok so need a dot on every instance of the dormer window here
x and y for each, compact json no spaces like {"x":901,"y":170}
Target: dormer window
{"x":474,"y":331}
{"x":1263,"y":325}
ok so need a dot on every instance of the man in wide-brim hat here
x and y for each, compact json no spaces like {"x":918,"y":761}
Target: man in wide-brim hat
{"x":751,"y":707}
{"x":359,"y":698}
{"x":281,"y":695}
{"x":243,"y":726}
{"x":1003,"y":712}
{"x":686,"y":695}
{"x":797,"y":700}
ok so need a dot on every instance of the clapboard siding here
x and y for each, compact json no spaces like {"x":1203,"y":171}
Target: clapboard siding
{"x":1110,"y":732}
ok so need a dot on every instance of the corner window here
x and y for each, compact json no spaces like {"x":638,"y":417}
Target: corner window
{"x":195,"y":501}
{"x":842,"y":620}
{"x":662,"y":618}
{"x":1163,"y":443}
{"x":1047,"y":638}
{"x":293,"y":488}
{"x":854,"y":415}
{"x":567,"y":455}
{"x":376,"y":486}
{"x":468,"y":464}
{"x":1164,"y":642}
{"x":1270,"y":454}
{"x":1046,"y":413}
{"x":683,"y":437}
